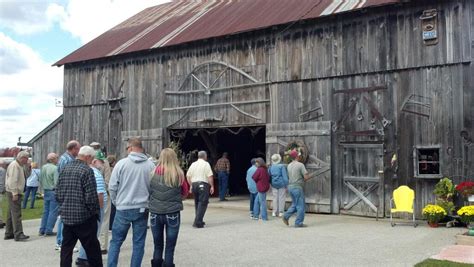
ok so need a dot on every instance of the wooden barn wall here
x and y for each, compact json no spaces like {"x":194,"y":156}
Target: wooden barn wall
{"x":51,"y":141}
{"x":301,"y":68}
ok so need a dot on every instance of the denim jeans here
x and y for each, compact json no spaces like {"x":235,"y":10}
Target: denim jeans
{"x":30,"y":190}
{"x":59,"y":235}
{"x":223,"y":183}
{"x":169,"y":223}
{"x":297,"y":205}
{"x":1,"y":211}
{"x":260,"y":206}
{"x":252,"y":201}
{"x":82,"y":251}
{"x":138,"y":218}
{"x":50,"y":212}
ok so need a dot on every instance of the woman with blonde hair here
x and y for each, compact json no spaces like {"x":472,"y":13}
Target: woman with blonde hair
{"x":167,"y":188}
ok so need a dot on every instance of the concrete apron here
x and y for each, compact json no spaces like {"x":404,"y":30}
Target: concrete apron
{"x":231,"y":238}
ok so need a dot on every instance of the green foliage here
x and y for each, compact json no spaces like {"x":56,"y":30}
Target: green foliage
{"x":446,"y":205}
{"x":444,"y":191}
{"x":176,"y":146}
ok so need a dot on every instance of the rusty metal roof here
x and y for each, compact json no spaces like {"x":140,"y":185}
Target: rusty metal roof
{"x":183,"y":21}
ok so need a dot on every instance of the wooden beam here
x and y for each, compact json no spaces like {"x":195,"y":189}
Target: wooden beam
{"x":361,"y":196}
{"x":218,"y":104}
{"x":357,"y":199}
{"x":240,"y":86}
{"x":360,"y":90}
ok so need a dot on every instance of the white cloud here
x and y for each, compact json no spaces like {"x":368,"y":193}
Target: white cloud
{"x":27,"y":17}
{"x":26,"y":94}
{"x":88,"y":19}
{"x":29,"y":85}
{"x":34,"y":76}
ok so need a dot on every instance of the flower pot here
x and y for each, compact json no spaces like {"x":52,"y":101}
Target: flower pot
{"x":470,"y":198}
{"x":433,"y":224}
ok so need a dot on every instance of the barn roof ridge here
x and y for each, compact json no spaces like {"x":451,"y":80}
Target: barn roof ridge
{"x":183,"y":21}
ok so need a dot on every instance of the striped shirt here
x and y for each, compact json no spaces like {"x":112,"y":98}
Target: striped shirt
{"x":99,"y":181}
{"x":76,"y":193}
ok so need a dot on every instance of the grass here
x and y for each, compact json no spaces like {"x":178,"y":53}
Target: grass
{"x":441,"y":263}
{"x":26,"y":214}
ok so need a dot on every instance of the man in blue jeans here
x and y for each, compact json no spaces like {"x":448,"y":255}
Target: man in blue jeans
{"x":223,"y":170}
{"x":48,"y":180}
{"x":72,"y":149}
{"x":297,"y":175}
{"x":129,"y":188}
{"x":252,"y":186}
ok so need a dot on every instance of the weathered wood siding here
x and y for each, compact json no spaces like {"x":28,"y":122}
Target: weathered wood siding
{"x":317,"y":138}
{"x":51,"y":141}
{"x":299,"y":70}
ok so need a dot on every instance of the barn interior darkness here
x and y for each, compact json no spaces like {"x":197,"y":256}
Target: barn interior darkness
{"x":242,"y":144}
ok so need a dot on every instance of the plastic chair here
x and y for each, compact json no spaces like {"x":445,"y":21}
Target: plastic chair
{"x":404,"y":200}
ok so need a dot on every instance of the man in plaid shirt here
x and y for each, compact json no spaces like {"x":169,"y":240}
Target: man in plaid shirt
{"x":223,"y":170}
{"x":76,"y":194}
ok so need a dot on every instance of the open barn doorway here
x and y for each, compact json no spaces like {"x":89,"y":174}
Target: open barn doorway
{"x":242,"y":144}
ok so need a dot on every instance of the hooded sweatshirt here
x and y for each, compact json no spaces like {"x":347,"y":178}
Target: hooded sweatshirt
{"x":129,"y":185}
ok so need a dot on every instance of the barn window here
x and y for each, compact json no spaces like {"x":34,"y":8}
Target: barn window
{"x":427,"y":162}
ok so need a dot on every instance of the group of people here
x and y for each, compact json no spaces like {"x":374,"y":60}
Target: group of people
{"x":80,"y":185}
{"x":282,"y":179}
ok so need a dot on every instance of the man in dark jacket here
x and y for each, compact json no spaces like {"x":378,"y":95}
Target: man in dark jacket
{"x":79,"y":208}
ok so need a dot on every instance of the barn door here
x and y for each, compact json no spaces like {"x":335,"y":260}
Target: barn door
{"x":316,"y":137}
{"x":151,"y":140}
{"x":362,"y":184}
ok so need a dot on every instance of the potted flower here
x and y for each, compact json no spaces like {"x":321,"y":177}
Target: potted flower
{"x":444,"y":191}
{"x":466,"y":189}
{"x":433,"y":214}
{"x":466,"y":214}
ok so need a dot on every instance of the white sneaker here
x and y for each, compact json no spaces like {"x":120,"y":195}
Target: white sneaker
{"x":274,"y":214}
{"x":57,"y":247}
{"x":281,"y":214}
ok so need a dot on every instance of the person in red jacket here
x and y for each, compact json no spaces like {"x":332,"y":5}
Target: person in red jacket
{"x":262,"y":179}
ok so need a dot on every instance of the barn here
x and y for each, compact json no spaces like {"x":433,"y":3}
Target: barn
{"x":379,"y":93}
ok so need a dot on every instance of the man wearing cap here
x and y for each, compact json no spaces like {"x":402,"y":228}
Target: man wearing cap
{"x":298,"y":175}
{"x":48,"y":180}
{"x":98,"y":153}
{"x":201,"y":178}
{"x":223,"y":170}
{"x":2,"y":191}
{"x":279,"y":182}
{"x":15,"y":184}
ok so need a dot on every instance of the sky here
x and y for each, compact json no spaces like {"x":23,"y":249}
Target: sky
{"x":34,"y":34}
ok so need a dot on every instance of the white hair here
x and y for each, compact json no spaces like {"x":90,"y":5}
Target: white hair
{"x":22,"y":154}
{"x":86,"y":151}
{"x":202,"y":154}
